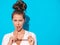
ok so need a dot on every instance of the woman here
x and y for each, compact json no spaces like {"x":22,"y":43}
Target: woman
{"x":19,"y":36}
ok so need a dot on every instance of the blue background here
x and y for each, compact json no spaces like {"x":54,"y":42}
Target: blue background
{"x":44,"y":20}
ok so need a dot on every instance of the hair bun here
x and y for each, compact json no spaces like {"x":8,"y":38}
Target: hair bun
{"x":20,"y":6}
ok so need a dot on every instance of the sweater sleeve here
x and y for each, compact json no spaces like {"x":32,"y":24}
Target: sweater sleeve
{"x":34,"y":36}
{"x":5,"y":39}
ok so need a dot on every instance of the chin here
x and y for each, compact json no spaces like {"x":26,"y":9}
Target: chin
{"x":18,"y":29}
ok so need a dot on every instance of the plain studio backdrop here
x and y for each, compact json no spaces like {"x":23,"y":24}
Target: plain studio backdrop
{"x":44,"y":20}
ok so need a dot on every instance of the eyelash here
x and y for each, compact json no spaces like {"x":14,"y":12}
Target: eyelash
{"x":16,"y":20}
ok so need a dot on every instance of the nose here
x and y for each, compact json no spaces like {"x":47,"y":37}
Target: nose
{"x":17,"y":23}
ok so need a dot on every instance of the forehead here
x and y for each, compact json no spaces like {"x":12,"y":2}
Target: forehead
{"x":18,"y":16}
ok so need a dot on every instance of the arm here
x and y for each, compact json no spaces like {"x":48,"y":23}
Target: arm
{"x":5,"y":40}
{"x":32,"y":39}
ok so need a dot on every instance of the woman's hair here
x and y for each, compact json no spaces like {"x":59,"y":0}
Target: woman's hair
{"x":19,"y":8}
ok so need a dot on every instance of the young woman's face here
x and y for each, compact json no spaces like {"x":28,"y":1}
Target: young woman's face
{"x":18,"y":21}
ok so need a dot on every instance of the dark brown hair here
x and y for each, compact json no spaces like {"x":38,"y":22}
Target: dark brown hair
{"x":19,"y":8}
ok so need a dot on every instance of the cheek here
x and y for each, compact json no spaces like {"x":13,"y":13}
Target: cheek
{"x":15,"y":23}
{"x":21,"y":23}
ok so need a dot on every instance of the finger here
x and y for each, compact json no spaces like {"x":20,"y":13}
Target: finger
{"x":30,"y":38}
{"x":14,"y":39}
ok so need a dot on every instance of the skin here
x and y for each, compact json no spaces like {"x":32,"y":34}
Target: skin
{"x":19,"y":32}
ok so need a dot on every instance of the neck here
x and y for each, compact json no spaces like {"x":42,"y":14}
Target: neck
{"x":20,"y":31}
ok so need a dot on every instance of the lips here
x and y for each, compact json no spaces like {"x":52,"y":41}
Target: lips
{"x":18,"y":27}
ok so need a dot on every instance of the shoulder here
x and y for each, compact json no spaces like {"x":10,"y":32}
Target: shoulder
{"x":6,"y":38}
{"x":8,"y":35}
{"x":31,"y":34}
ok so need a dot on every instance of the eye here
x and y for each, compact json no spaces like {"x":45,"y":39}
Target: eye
{"x":15,"y":20}
{"x":20,"y":20}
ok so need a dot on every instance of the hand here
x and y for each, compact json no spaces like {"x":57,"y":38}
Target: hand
{"x":11,"y":40}
{"x":31,"y":40}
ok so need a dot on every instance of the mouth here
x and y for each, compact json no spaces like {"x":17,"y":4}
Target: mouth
{"x":18,"y":27}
